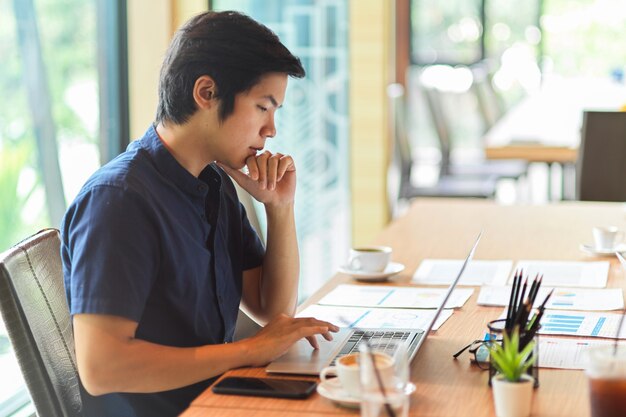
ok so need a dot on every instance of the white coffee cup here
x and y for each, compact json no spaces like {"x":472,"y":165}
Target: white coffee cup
{"x":607,"y":237}
{"x":347,"y":369}
{"x":369,"y":258}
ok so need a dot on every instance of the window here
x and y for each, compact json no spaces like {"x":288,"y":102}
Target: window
{"x":50,"y":113}
{"x":583,"y":38}
{"x":313,"y":126}
{"x":446,"y":32}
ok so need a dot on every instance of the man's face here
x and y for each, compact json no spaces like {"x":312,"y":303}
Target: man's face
{"x":244,"y":131}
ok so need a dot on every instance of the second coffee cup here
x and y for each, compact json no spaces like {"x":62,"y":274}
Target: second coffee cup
{"x":369,"y":258}
{"x":347,"y":370}
{"x":607,"y":238}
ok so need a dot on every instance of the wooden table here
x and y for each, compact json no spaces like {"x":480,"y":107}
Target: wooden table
{"x":545,"y":126}
{"x":446,"y":229}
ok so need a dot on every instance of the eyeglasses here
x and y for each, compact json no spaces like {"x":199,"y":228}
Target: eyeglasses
{"x":480,"y":351}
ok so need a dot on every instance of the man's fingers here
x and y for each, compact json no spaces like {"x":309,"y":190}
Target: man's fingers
{"x":313,"y":342}
{"x":253,"y":168}
{"x":261,"y":163}
{"x":327,"y":336}
{"x":235,"y":174}
{"x":272,"y":166}
{"x":285,"y":164}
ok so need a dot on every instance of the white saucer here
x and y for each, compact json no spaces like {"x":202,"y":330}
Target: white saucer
{"x":332,"y":389}
{"x":391,"y":269}
{"x":592,"y":250}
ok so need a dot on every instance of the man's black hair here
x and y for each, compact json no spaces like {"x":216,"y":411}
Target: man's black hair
{"x":230,"y":47}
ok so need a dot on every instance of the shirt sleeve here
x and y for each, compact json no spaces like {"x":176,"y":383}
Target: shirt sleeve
{"x":253,"y":249}
{"x":112,"y":249}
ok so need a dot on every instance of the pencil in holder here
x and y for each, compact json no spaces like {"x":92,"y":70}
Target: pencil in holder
{"x":496,"y":328}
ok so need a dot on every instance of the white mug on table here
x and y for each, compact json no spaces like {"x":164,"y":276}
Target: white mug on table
{"x":369,"y":258}
{"x":347,"y":370}
{"x":607,"y":237}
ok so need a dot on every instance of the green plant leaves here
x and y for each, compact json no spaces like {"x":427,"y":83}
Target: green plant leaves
{"x":507,"y":358}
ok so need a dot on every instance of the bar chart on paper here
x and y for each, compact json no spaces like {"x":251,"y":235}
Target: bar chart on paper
{"x":581,"y":324}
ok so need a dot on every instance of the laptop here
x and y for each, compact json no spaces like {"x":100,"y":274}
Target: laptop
{"x":302,"y":359}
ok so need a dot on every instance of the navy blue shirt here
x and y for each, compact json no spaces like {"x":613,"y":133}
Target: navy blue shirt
{"x":146,"y":240}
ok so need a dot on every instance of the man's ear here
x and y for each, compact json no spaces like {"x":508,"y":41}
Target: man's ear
{"x":204,"y":91}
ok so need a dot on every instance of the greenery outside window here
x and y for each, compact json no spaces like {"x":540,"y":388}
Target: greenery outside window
{"x":56,"y":57}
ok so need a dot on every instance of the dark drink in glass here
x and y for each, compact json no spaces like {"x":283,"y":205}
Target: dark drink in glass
{"x":607,"y":380}
{"x":608,"y":397}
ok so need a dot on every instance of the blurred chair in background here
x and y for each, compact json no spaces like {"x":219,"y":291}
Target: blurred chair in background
{"x":402,"y":163}
{"x":37,"y":318}
{"x":601,"y":166}
{"x":490,"y":103}
{"x":439,"y":83}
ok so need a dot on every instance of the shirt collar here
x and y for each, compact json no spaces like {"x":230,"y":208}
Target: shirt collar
{"x":169,"y":167}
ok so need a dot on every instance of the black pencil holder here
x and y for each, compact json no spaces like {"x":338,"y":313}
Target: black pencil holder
{"x":497,"y":327}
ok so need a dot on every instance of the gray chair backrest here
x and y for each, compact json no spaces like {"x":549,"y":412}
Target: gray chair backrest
{"x":601,"y":166}
{"x":36,"y":315}
{"x":490,"y":104}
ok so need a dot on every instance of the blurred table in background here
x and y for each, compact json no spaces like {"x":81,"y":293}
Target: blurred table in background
{"x":545,"y":126}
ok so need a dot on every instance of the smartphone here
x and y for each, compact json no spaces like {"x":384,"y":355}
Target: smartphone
{"x":265,"y":387}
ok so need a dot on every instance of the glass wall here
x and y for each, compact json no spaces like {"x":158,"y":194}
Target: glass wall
{"x":583,"y":38}
{"x":49,"y":119}
{"x":313,"y":125}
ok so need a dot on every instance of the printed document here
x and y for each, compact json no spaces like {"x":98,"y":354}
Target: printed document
{"x":565,"y":273}
{"x":580,"y":323}
{"x":443,"y":272}
{"x":562,"y":353}
{"x":394,"y":297}
{"x":602,"y":299}
{"x":387,"y":318}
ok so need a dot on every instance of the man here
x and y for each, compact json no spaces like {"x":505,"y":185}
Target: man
{"x":157,"y":250}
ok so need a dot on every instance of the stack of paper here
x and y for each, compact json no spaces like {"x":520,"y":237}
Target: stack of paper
{"x":388,"y":318}
{"x":605,"y":299}
{"x":566,"y":274}
{"x":394,"y":297}
{"x":443,"y":272}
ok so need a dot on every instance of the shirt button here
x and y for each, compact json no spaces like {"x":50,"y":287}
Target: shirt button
{"x":201,"y":187}
{"x":203,"y":216}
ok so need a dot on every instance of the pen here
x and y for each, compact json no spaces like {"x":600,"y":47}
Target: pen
{"x":539,"y":281}
{"x":545,"y":301}
{"x":530,"y":334}
{"x":523,"y":293}
{"x":522,"y":315}
{"x":510,"y":314}
{"x":533,"y":288}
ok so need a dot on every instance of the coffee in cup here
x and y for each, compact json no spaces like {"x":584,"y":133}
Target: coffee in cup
{"x":369,"y":258}
{"x":347,"y":370}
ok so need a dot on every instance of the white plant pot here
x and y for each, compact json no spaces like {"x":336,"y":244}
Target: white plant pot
{"x":512,"y":399}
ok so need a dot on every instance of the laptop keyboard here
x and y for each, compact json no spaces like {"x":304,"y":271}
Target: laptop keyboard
{"x":377,"y":339}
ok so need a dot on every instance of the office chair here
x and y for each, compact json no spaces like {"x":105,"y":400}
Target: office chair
{"x":601,"y":165}
{"x":490,"y":104}
{"x":447,"y":185}
{"x":36,"y":315}
{"x":441,"y":118}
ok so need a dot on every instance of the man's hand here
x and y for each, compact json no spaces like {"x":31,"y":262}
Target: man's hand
{"x":271,"y":178}
{"x":281,"y":333}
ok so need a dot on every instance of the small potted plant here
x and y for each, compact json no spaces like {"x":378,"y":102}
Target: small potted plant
{"x":512,"y":386}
